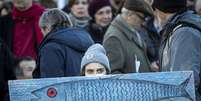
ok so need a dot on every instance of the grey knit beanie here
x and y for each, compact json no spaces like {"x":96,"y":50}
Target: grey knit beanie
{"x":96,"y":54}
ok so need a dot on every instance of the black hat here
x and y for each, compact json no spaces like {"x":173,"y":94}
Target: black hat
{"x":96,"y":5}
{"x":170,"y":6}
{"x":139,"y":6}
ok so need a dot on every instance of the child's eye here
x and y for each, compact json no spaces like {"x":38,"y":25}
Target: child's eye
{"x":90,"y":71}
{"x":99,"y":71}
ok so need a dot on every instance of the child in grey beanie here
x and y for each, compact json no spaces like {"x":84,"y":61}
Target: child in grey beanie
{"x":95,"y":62}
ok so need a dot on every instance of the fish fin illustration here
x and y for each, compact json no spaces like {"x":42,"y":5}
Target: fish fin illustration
{"x":183,"y":86}
{"x":184,"y":94}
{"x":185,"y":83}
{"x":34,"y":96}
{"x":175,"y":98}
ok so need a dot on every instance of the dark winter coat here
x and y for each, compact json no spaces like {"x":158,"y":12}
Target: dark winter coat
{"x":123,"y":46}
{"x":97,"y":32}
{"x":6,"y":30}
{"x":152,"y":39}
{"x":6,"y":69}
{"x":61,"y":52}
{"x":181,"y":46}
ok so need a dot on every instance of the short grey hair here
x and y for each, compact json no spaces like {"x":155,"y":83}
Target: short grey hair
{"x":54,"y":18}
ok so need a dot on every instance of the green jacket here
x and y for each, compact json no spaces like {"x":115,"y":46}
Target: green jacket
{"x":123,"y":46}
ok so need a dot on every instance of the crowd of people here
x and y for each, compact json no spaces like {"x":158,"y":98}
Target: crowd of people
{"x":98,"y":37}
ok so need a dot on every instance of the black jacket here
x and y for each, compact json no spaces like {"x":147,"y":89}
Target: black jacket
{"x":97,"y":32}
{"x":6,"y":69}
{"x":152,"y":39}
{"x":6,"y":30}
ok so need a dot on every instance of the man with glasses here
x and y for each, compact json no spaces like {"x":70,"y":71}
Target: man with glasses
{"x":124,"y":46}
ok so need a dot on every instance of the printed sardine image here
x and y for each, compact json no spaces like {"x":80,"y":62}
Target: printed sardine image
{"x":111,"y":90}
{"x":160,"y":86}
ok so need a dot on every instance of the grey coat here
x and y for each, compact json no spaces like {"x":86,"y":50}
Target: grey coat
{"x":182,"y":49}
{"x":124,"y":45}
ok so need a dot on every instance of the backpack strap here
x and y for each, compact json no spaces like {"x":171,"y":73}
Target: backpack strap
{"x":186,"y":24}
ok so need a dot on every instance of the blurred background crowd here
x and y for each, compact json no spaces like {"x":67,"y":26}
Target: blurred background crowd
{"x":63,"y":38}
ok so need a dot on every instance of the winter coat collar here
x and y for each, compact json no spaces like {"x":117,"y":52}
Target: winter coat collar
{"x":184,"y":16}
{"x":79,"y":22}
{"x":98,"y":28}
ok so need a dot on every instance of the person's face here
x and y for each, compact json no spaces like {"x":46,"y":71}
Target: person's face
{"x":27,"y":68}
{"x":4,"y":12}
{"x":190,"y":3}
{"x":22,"y":4}
{"x":80,"y":8}
{"x":198,"y":7}
{"x":103,"y":17}
{"x":199,"y":12}
{"x":140,"y":16}
{"x":161,"y":17}
{"x":95,"y":69}
{"x":136,"y":19}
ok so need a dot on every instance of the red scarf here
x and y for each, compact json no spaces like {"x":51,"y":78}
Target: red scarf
{"x":27,"y":34}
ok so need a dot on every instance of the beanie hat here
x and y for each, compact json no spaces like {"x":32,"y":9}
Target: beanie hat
{"x":170,"y":6}
{"x":95,"y":54}
{"x":139,"y":6}
{"x":95,"y":5}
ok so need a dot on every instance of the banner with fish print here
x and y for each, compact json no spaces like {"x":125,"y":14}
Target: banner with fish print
{"x":161,"y":86}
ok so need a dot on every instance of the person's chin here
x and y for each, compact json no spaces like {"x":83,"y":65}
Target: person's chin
{"x":21,"y":8}
{"x":104,"y":25}
{"x":81,"y":15}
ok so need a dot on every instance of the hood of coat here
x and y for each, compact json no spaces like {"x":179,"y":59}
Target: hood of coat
{"x":74,"y":38}
{"x":179,"y":18}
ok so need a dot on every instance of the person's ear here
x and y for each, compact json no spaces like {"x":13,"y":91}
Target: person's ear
{"x":47,"y":25}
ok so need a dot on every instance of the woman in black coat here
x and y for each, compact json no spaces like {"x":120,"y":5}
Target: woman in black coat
{"x":101,"y":13}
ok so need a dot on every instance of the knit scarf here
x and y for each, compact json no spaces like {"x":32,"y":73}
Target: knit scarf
{"x":79,"y":22}
{"x":26,"y":30}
